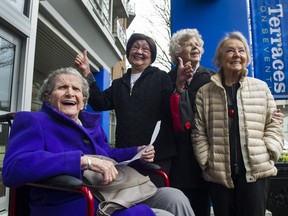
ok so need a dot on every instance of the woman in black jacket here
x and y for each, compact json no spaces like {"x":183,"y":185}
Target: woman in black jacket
{"x":140,"y":98}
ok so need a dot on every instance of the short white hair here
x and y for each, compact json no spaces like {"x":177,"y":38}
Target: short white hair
{"x":179,"y":38}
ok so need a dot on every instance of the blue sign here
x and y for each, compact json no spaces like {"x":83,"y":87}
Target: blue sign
{"x":269,"y":22}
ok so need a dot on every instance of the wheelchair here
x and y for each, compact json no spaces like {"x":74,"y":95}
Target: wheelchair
{"x":19,"y":197}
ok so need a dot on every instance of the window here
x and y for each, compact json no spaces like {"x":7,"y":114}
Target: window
{"x":102,"y":9}
{"x":112,"y":128}
{"x":19,"y":5}
{"x":9,"y":67}
{"x":7,"y":55}
{"x":4,"y":132}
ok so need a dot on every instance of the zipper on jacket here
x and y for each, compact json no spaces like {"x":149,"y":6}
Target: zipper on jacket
{"x":236,"y":167}
{"x":232,"y":113}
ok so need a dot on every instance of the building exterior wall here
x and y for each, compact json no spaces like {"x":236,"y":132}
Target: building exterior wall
{"x":118,"y":70}
{"x":38,"y":36}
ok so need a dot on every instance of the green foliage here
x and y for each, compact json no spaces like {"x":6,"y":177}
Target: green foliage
{"x":284,"y":158}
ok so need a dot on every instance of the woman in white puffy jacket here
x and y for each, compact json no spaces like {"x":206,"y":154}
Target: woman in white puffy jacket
{"x":236,"y":139}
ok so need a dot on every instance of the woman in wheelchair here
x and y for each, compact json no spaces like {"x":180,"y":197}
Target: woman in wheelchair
{"x":58,"y":140}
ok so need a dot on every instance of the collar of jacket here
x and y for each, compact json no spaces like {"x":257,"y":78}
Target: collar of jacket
{"x":88,"y":120}
{"x":200,"y":70}
{"x":150,"y":69}
{"x":199,"y":66}
{"x":217,"y":77}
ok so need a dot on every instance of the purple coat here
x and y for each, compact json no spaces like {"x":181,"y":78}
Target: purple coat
{"x":47,"y":143}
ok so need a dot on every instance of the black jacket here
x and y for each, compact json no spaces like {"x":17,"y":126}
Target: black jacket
{"x":137,"y":113}
{"x":185,"y":171}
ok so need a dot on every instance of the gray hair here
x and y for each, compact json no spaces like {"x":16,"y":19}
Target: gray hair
{"x":49,"y":83}
{"x":228,"y":36}
{"x":180,"y":37}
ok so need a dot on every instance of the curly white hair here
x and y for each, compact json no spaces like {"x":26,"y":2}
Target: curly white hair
{"x":181,"y":37}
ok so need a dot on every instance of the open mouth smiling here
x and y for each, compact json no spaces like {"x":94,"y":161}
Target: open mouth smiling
{"x":235,"y":62}
{"x":194,"y":52}
{"x":69,"y":103}
{"x":138,"y":57}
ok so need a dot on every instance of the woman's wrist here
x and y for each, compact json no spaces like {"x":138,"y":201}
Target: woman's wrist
{"x":179,"y":87}
{"x":90,"y":78}
{"x":86,"y":72}
{"x":176,"y":91}
{"x":86,"y":163}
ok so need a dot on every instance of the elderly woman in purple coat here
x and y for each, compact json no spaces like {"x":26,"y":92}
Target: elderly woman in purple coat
{"x":59,"y":139}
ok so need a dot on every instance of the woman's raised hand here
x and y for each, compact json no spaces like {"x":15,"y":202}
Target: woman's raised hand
{"x":82,"y":63}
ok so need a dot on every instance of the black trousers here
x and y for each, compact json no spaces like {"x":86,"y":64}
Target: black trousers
{"x":199,"y":199}
{"x":246,"y":199}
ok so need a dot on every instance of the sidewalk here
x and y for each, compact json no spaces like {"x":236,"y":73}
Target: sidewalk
{"x":268,"y":213}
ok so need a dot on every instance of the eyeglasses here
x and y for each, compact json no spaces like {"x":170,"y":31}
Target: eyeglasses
{"x":191,"y":44}
{"x":235,"y":51}
{"x":144,"y":49}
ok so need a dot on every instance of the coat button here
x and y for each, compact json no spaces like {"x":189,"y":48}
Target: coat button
{"x":86,"y":141}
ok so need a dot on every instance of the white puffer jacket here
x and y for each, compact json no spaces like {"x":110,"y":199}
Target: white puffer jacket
{"x":261,"y":137}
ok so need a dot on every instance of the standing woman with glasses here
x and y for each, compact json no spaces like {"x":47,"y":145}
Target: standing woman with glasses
{"x":186,"y":48}
{"x":236,"y":138}
{"x":140,"y":98}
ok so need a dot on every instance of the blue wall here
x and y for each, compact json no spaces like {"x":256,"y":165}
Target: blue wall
{"x":213,"y":18}
{"x":103,"y":81}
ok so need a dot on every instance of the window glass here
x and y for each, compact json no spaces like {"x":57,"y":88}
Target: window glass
{"x":4,"y":132}
{"x":112,"y":130}
{"x":36,"y":102}
{"x":8,"y":46}
{"x":18,"y":4}
{"x":7,"y":55}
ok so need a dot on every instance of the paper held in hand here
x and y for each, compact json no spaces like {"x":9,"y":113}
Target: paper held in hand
{"x":153,"y":138}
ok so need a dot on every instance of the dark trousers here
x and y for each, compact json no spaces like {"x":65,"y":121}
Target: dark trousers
{"x":199,"y":199}
{"x":246,"y":199}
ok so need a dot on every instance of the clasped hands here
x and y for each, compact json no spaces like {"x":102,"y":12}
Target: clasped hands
{"x":107,"y":168}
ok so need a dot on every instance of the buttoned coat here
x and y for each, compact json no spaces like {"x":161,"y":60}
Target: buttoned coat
{"x":138,"y":110}
{"x":46,"y":144}
{"x":261,"y":137}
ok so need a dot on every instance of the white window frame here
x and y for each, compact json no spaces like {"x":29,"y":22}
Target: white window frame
{"x":14,"y":39}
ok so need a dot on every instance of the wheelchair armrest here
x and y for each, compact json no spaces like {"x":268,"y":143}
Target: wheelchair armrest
{"x":148,"y":167}
{"x":64,"y":181}
{"x":60,"y":183}
{"x":144,"y":166}
{"x":8,"y":117}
